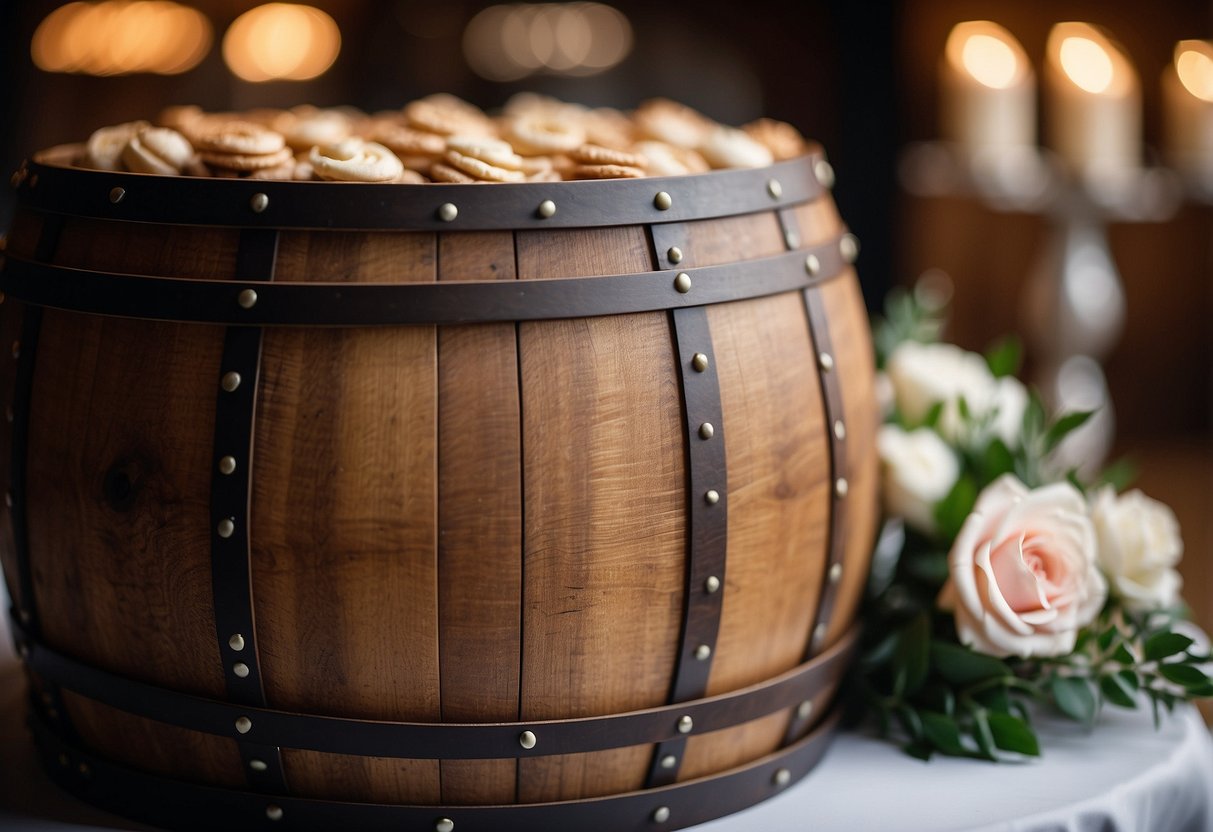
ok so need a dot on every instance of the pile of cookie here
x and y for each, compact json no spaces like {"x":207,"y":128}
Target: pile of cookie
{"x":440,"y":138}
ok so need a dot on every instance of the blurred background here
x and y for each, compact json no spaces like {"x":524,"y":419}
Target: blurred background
{"x":1122,"y":247}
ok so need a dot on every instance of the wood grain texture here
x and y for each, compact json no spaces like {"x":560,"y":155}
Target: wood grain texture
{"x":605,"y":503}
{"x":479,"y":519}
{"x":779,"y":480}
{"x":344,"y":518}
{"x":850,"y":333}
{"x":139,"y":248}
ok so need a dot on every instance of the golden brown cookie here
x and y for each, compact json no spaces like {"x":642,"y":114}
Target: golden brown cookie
{"x":592,"y":154}
{"x":104,"y":148}
{"x":667,"y":160}
{"x":442,"y":115}
{"x":670,"y":122}
{"x":605,"y":172}
{"x":406,"y":141}
{"x":782,"y":139}
{"x":481,"y":169}
{"x":445,"y":173}
{"x":242,"y":138}
{"x":158,"y":150}
{"x":246,"y":161}
{"x":353,"y":160}
{"x":494,"y":151}
{"x":728,"y":147}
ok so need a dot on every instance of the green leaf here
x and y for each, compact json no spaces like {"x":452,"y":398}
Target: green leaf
{"x":1073,"y":697}
{"x":911,"y":722}
{"x":1107,"y":637}
{"x":932,"y":417}
{"x":1161,"y":645}
{"x":1120,"y":474}
{"x":1183,"y":674}
{"x":938,"y":697}
{"x":962,"y":666}
{"x":983,"y":735}
{"x":1033,"y":417}
{"x":930,"y":568}
{"x":952,"y":510}
{"x":1013,"y":734}
{"x":919,"y":750}
{"x":942,"y":732}
{"x":1004,"y":357}
{"x":1200,"y":691}
{"x":1121,"y":655}
{"x":913,"y":653}
{"x":1117,"y":691}
{"x":995,"y":699}
{"x":996,"y":461}
{"x":962,"y":407}
{"x":1064,"y":426}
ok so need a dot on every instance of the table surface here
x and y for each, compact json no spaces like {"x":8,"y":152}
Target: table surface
{"x":1126,"y":777}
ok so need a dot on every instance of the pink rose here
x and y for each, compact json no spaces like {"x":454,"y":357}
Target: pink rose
{"x":1022,"y":573}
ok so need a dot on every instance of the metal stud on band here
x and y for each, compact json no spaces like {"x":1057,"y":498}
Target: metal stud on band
{"x":706,"y":431}
{"x":444,"y":825}
{"x":117,"y":195}
{"x":240,"y":669}
{"x":230,"y":382}
{"x":273,"y":812}
{"x":674,"y":255}
{"x":257,"y":765}
{"x":824,"y":172}
{"x":661,"y":814}
{"x":841,"y":486}
{"x":259,"y":203}
{"x":774,"y":188}
{"x":781,"y":777}
{"x":546,"y":209}
{"x":840,"y":430}
{"x":243,"y":724}
{"x":227,"y":465}
{"x":712,"y":497}
{"x":685,"y":724}
{"x":812,"y":265}
{"x":226,"y":528}
{"x":247,"y":298}
{"x":528,"y":740}
{"x":819,"y":632}
{"x":805,"y":709}
{"x":825,"y":361}
{"x":835,"y":574}
{"x":703,"y":652}
{"x":848,"y":247}
{"x":236,"y":642}
{"x":447,"y":211}
{"x":699,"y":362}
{"x":711,"y":585}
{"x":669,"y":761}
{"x":662,"y":201}
{"x":682,"y":283}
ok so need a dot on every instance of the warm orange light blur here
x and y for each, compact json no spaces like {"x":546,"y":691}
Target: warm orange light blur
{"x":281,"y":41}
{"x":118,"y":37}
{"x":987,"y":52}
{"x":1089,"y":59}
{"x":505,"y":43}
{"x":1194,"y":65}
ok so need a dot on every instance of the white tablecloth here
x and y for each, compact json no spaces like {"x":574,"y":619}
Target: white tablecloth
{"x":1127,"y":777}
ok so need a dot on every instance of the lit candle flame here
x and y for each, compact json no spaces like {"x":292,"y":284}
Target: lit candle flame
{"x":987,"y":52}
{"x":1087,"y":64}
{"x":1194,"y":65}
{"x":1090,"y":60}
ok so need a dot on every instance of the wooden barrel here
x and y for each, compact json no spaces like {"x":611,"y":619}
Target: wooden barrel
{"x":434,"y":507}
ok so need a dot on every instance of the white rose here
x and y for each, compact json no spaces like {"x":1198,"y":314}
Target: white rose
{"x":919,"y":471}
{"x":1023,"y":578}
{"x":1139,"y":546}
{"x":926,"y":374}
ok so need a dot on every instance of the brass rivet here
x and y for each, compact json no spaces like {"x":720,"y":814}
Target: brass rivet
{"x":669,"y":761}
{"x":231,"y":381}
{"x":699,"y":362}
{"x":825,"y":361}
{"x":791,"y":239}
{"x":706,"y":431}
{"x":824,"y":172}
{"x":240,"y":669}
{"x":243,"y":724}
{"x":703,"y":652}
{"x":527,"y":739}
{"x":227,"y":465}
{"x":663,"y":201}
{"x":835,"y":573}
{"x":247,"y":298}
{"x":674,"y":255}
{"x":683,"y":282}
{"x":841,"y":486}
{"x":819,"y":632}
{"x":117,"y":195}
{"x":258,"y":765}
{"x":273,"y":812}
{"x":805,"y":709}
{"x":812,"y":265}
{"x":661,"y":814}
{"x":236,"y":642}
{"x":226,"y":528}
{"x":782,"y":777}
{"x":259,"y":203}
{"x":16,"y":349}
{"x":547,"y":208}
{"x":848,"y":246}
{"x":444,"y":825}
{"x":712,"y":497}
{"x":774,"y":188}
{"x":711,"y":585}
{"x":840,"y":430}
{"x":447,"y":211}
{"x":685,"y":724}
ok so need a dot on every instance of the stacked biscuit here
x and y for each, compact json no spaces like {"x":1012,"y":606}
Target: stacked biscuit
{"x":441,"y":138}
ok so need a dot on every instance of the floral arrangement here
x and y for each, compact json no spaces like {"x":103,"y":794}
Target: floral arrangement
{"x":1003,"y":580}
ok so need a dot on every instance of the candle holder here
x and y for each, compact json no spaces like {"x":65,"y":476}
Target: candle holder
{"x":1072,"y":303}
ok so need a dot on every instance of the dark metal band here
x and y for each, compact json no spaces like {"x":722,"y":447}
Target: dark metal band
{"x":376,"y":304}
{"x":179,"y":805}
{"x":53,"y":185}
{"x":835,"y":426}
{"x":707,"y":490}
{"x":231,"y":484}
{"x":432,"y":741}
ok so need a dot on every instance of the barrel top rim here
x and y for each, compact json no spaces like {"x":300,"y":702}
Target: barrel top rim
{"x":48,"y":182}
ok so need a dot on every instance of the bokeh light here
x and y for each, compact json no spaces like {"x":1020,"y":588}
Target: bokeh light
{"x":1194,"y":63}
{"x":281,"y":41}
{"x":509,"y":42}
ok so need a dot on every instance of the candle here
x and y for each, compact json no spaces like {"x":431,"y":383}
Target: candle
{"x":1094,"y":112}
{"x":1187,"y":87}
{"x":988,"y":89}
